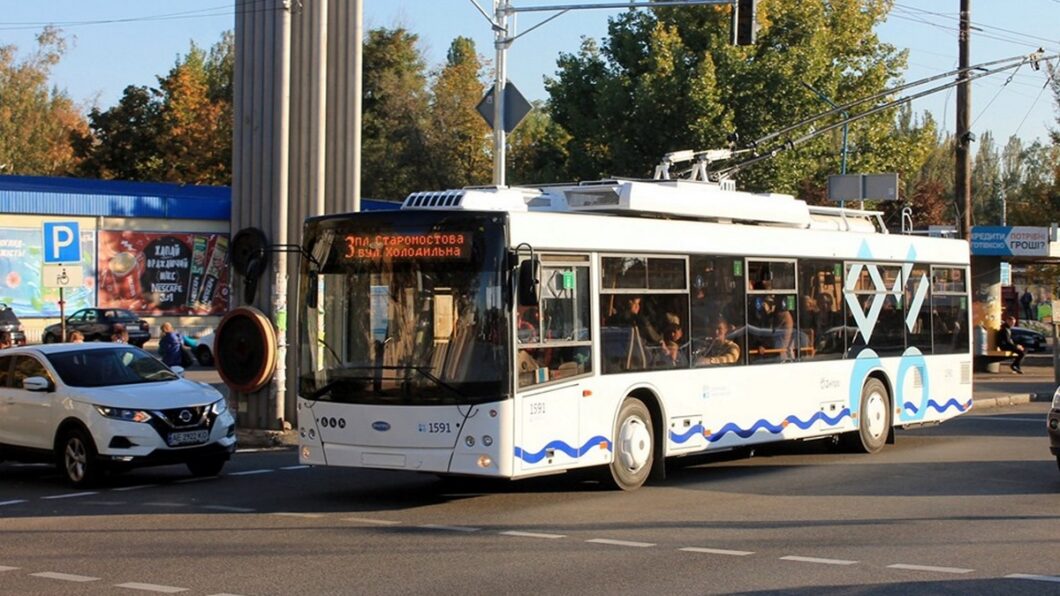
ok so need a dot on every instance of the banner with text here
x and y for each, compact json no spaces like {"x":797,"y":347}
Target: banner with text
{"x":159,"y":273}
{"x":1006,"y":241}
{"x":21,"y":287}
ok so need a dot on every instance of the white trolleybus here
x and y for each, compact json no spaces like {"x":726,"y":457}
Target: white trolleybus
{"x":514,"y":332}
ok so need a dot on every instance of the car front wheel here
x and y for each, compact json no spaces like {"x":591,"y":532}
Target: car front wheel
{"x":50,"y":339}
{"x":77,"y":459}
{"x":203,"y":355}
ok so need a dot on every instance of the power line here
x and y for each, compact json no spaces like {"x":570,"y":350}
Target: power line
{"x":975,"y":23}
{"x":217,"y":11}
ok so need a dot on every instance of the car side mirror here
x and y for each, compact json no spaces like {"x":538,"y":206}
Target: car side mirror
{"x":179,"y":370}
{"x":529,"y":282}
{"x":39,"y":384}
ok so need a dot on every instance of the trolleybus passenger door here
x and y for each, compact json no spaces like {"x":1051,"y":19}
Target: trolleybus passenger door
{"x":554,"y":359}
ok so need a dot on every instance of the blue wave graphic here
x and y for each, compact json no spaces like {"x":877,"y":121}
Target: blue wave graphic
{"x":535,"y":457}
{"x":759,"y":425}
{"x":952,"y":403}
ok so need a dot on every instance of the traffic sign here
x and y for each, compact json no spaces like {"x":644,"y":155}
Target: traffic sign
{"x":516,"y":107}
{"x":62,"y":242}
{"x":62,"y":276}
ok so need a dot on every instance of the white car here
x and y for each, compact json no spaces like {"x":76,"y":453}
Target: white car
{"x":93,"y":407}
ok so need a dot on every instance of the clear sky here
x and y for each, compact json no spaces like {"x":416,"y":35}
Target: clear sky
{"x":116,"y":43}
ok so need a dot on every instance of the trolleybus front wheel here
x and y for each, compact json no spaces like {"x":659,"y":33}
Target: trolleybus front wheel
{"x":633,"y":445}
{"x":874,"y":419}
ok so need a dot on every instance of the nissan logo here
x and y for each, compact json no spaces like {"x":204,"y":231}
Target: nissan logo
{"x":185,"y":416}
{"x":381,"y":426}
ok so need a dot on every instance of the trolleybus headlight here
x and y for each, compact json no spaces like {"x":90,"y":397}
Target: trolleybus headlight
{"x":312,"y":433}
{"x":484,"y":461}
{"x":1056,"y":399}
{"x":469,"y":441}
{"x":487,"y":440}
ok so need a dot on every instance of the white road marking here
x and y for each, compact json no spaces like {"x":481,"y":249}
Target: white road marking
{"x":13,"y":502}
{"x":531,"y":534}
{"x":930,"y":568}
{"x":151,"y":588}
{"x":1037,"y":578}
{"x":301,"y":467}
{"x":66,"y":577}
{"x":818,"y":560}
{"x":293,"y":514}
{"x":365,"y":520}
{"x":249,"y":472}
{"x":136,"y":487}
{"x":227,"y":508}
{"x":449,"y":528}
{"x":6,"y":568}
{"x":165,"y":504}
{"x":106,"y":503}
{"x":620,"y":542}
{"x":70,"y":495}
{"x":717,"y":551}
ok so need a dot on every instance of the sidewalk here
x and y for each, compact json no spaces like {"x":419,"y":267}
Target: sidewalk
{"x":1005,"y":388}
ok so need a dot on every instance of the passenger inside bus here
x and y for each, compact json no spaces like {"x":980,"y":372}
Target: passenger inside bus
{"x":673,"y":352}
{"x":719,"y":350}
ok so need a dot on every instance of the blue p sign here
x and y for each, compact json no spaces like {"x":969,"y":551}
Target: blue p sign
{"x":62,"y":242}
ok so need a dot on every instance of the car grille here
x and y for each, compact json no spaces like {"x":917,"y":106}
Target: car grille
{"x":185,"y":417}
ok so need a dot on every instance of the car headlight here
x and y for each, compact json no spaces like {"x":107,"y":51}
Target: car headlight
{"x":123,"y":414}
{"x":219,"y":407}
{"x":1056,"y":399}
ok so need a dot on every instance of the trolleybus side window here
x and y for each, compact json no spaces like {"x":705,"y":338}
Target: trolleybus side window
{"x":949,"y":310}
{"x":822,"y":332}
{"x":918,"y":309}
{"x":554,"y":337}
{"x":645,"y":313}
{"x":771,"y":308}
{"x":873,"y":293}
{"x":717,"y":323}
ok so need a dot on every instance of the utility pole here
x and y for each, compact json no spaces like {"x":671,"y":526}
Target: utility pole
{"x":963,"y":182}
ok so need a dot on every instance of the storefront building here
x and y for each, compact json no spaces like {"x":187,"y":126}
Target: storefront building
{"x":159,"y":250}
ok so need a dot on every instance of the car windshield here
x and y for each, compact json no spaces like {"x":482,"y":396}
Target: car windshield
{"x":125,"y":365}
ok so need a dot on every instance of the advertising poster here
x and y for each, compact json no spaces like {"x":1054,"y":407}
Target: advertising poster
{"x":160,"y":273}
{"x":21,"y":260}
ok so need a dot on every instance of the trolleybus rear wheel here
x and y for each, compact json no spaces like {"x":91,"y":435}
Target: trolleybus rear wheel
{"x":633,"y":445}
{"x":874,"y":419}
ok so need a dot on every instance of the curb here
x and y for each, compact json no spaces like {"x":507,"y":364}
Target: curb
{"x":250,"y":437}
{"x":1003,"y":401}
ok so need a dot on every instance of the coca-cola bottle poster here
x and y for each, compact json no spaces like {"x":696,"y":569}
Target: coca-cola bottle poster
{"x":159,"y":273}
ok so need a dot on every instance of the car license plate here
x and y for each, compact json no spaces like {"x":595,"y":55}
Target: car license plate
{"x":190,"y":437}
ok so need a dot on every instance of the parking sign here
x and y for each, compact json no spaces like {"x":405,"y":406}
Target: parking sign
{"x":62,"y":242}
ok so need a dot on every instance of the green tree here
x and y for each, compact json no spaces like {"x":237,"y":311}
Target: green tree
{"x":537,"y":149}
{"x":986,"y":183}
{"x":123,"y":141}
{"x":36,"y":121}
{"x":458,"y":140}
{"x":395,"y":101}
{"x":669,"y":79}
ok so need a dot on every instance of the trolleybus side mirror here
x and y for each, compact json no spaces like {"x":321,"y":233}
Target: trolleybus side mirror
{"x":529,"y":282}
{"x":311,"y":291}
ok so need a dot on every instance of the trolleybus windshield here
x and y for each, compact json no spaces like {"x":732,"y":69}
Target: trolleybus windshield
{"x":405,"y":308}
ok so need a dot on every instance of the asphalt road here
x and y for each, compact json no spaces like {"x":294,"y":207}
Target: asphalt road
{"x":971,"y":506}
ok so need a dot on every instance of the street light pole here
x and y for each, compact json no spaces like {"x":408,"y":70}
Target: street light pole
{"x":501,"y":42}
